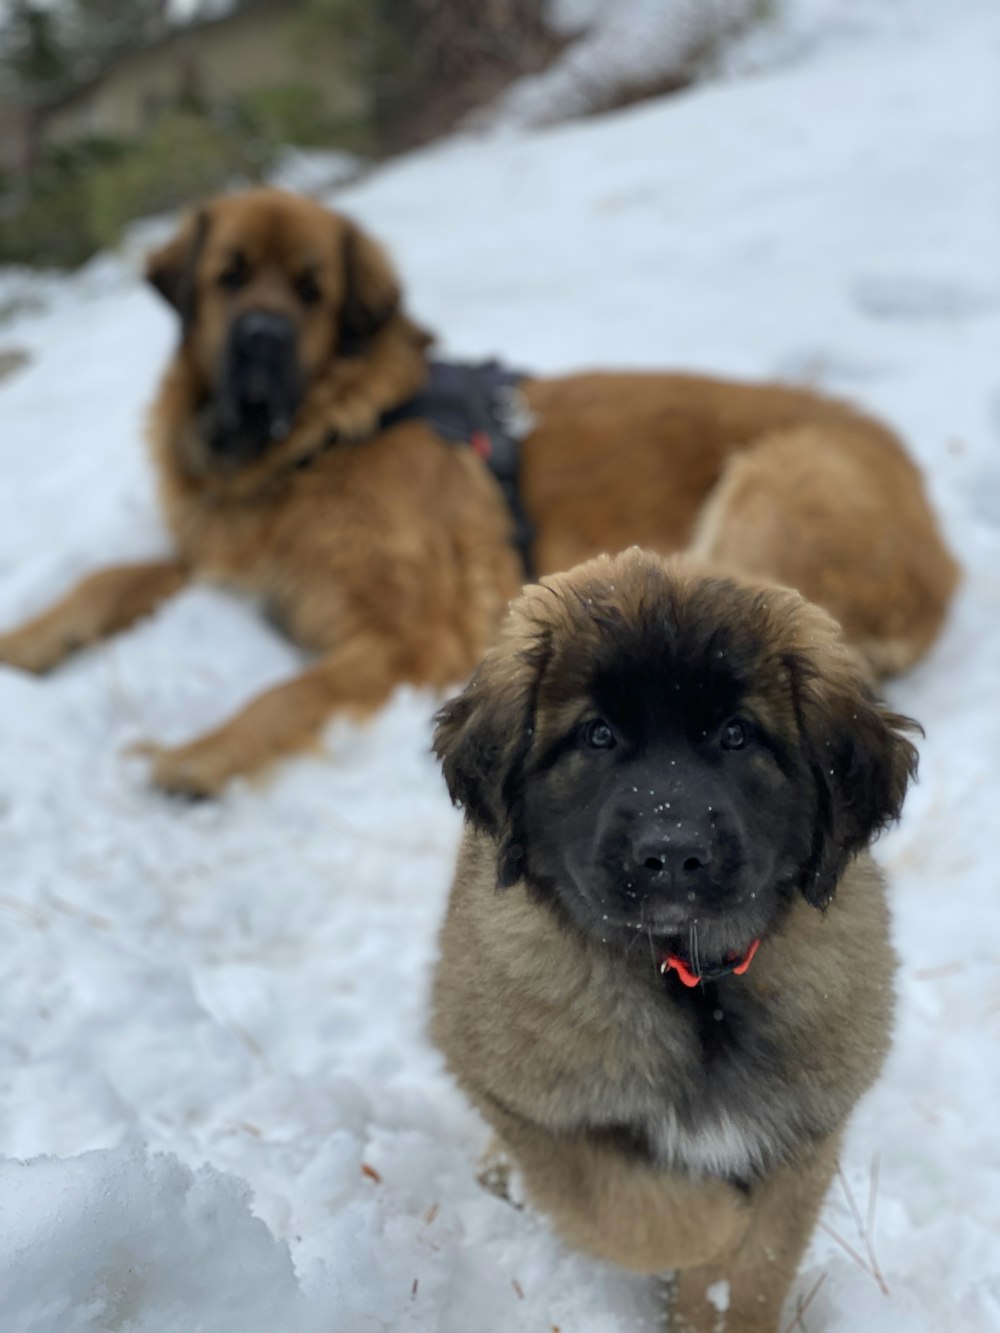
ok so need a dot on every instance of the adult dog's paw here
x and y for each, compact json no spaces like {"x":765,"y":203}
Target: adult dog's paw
{"x":34,"y":652}
{"x":195,"y":771}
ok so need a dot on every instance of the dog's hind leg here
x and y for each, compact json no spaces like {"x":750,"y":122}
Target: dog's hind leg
{"x":354,"y":681}
{"x":839,"y":514}
{"x":101,"y":605}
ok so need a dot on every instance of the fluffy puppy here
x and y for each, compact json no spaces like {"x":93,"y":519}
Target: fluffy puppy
{"x":665,"y":974}
{"x":386,"y":551}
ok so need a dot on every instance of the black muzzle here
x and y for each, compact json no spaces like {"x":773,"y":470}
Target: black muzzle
{"x":259,"y":388}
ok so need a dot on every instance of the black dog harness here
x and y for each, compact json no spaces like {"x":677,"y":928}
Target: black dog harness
{"x":480,"y":406}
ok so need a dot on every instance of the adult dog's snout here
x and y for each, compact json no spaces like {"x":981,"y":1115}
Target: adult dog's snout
{"x":263,"y":338}
{"x":260,"y":386}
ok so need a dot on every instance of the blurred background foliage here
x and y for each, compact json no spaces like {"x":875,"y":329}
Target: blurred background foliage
{"x":117,"y":109}
{"x":111,"y":110}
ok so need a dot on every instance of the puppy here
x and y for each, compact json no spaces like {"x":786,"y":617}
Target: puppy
{"x":291,"y":468}
{"x":665,"y":975}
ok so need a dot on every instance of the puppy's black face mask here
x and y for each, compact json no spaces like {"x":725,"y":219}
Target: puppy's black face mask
{"x":668,"y":810}
{"x":667,"y":760}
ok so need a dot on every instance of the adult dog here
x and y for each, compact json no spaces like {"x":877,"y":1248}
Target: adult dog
{"x":665,"y":974}
{"x":386,"y":551}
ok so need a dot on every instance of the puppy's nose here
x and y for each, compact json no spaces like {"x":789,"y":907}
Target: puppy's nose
{"x":673,"y":858}
{"x":262,"y":335}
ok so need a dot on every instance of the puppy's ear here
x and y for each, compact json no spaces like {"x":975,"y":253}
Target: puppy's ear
{"x":483,"y":738}
{"x":173,"y":268}
{"x":861,"y":763}
{"x":371,"y":290}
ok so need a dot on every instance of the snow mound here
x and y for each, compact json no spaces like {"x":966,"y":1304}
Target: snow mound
{"x":124,"y":1240}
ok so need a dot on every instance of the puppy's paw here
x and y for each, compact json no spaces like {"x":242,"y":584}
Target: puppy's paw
{"x":193,"y":771}
{"x":497,"y":1174}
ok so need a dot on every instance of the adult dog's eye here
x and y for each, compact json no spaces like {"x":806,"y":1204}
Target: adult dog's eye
{"x":735,"y":734}
{"x":308,"y":289}
{"x":235,"y":274}
{"x":598,"y":735}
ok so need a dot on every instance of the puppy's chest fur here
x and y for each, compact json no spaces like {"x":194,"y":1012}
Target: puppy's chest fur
{"x":720,"y":1081}
{"x":700,"y":1084}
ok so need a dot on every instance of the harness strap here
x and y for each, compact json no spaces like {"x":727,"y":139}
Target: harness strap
{"x":480,"y":406}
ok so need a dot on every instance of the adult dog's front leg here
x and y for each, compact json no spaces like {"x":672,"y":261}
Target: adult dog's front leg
{"x":102,"y":604}
{"x":355,"y":680}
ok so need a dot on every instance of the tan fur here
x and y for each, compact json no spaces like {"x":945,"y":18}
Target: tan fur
{"x":760,"y":1267}
{"x":778,"y":483}
{"x":545,"y":1027}
{"x":102,"y":604}
{"x":393,"y":552}
{"x":524,"y":1016}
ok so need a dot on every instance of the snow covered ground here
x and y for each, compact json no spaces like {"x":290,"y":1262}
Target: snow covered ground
{"x":218,"y":1108}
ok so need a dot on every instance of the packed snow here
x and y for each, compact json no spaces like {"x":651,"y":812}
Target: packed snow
{"x":620,"y":50}
{"x":617,"y":52}
{"x":218,"y":1105}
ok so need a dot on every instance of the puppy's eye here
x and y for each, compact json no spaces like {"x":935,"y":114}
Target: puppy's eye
{"x":598,"y":735}
{"x":235,"y":274}
{"x":735,"y":734}
{"x":308,"y":289}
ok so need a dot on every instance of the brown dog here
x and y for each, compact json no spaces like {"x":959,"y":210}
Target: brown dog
{"x":665,"y":973}
{"x":386,"y":550}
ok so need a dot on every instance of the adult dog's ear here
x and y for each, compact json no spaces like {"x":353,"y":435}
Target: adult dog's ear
{"x":483,"y":739}
{"x":172,"y":269}
{"x":861,"y":763}
{"x":371,"y":290}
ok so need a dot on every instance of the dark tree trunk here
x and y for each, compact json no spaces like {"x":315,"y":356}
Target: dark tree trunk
{"x":447,"y":57}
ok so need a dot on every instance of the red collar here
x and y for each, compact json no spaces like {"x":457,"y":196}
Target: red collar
{"x":734,"y":963}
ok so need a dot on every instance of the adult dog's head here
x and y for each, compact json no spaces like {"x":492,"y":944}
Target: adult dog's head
{"x":273,"y":290}
{"x":658,"y":750}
